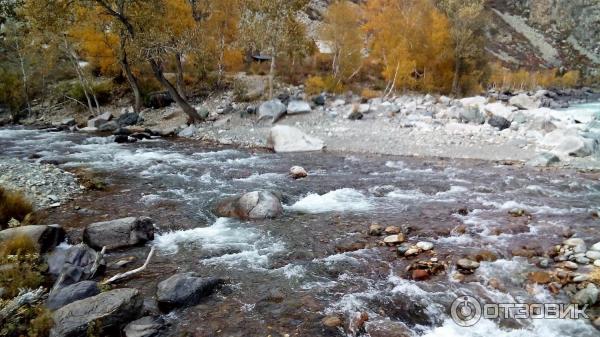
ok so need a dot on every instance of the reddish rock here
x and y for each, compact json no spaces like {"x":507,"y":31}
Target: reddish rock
{"x":420,"y":275}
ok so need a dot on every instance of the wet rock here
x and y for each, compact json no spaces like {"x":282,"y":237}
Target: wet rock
{"x":392,"y":230}
{"x":576,"y":146}
{"x":253,"y":205}
{"x":99,"y":120}
{"x":375,"y":230}
{"x":75,"y":265}
{"x":467,"y":266}
{"x":382,"y":191}
{"x":60,"y":297}
{"x":577,"y":244}
{"x":119,"y":233}
{"x":128,"y":119}
{"x":349,"y":245}
{"x":45,"y":238}
{"x":283,"y":138}
{"x":108,"y":127}
{"x":540,"y":277}
{"x":105,"y":314}
{"x":188,"y":132}
{"x":332,"y":322}
{"x":298,"y":107}
{"x":185,"y":289}
{"x":499,"y":122}
{"x":412,"y":251}
{"x":298,"y":172}
{"x":543,"y":160}
{"x":122,"y":132}
{"x":395,"y":239}
{"x":425,"y":246}
{"x":403,"y":248}
{"x":588,"y":295}
{"x":420,"y":275}
{"x":273,"y":110}
{"x":525,"y":102}
{"x":357,"y":323}
{"x":144,"y":327}
{"x":593,"y":254}
{"x":141,"y":135}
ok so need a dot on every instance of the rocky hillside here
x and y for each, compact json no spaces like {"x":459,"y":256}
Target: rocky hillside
{"x":535,"y":33}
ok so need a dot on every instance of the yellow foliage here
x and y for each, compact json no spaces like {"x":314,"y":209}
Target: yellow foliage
{"x":13,"y":205}
{"x":522,"y":79}
{"x":315,"y":85}
{"x":369,"y":93}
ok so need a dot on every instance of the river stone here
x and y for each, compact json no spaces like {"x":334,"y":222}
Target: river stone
{"x":144,"y":327}
{"x":74,"y":265}
{"x":375,"y":230}
{"x":576,"y":146}
{"x":283,"y":138}
{"x":595,"y":247}
{"x":188,"y":132}
{"x":424,"y":245}
{"x":99,"y":120}
{"x":108,"y":312}
{"x":128,"y":119}
{"x":60,"y":297}
{"x":592,"y":254}
{"x":467,"y":264}
{"x":499,"y":122}
{"x":577,"y":244}
{"x":45,"y":238}
{"x":298,"y":107}
{"x":185,"y":289}
{"x":110,"y":126}
{"x":543,"y":160}
{"x":298,"y":172}
{"x":588,"y":295}
{"x":119,"y":233}
{"x":525,"y":102}
{"x":395,"y":239}
{"x":471,"y":114}
{"x":253,"y":205}
{"x":273,"y":110}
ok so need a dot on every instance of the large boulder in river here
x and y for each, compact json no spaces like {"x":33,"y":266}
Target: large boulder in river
{"x":119,"y":233}
{"x":44,"y":237}
{"x":60,"y":297}
{"x":253,"y":205}
{"x":185,"y":289}
{"x":283,"y":138}
{"x":106,"y":314}
{"x":273,"y":110}
{"x":78,"y":263}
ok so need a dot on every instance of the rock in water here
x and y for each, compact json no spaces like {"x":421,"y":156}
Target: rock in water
{"x":524,"y":102}
{"x":185,"y":289}
{"x":100,"y":120}
{"x":283,"y":138}
{"x":499,"y":122}
{"x":62,"y":296}
{"x":188,"y":132}
{"x":45,"y":238}
{"x":272,"y":110}
{"x":75,"y":265}
{"x":108,"y":312}
{"x":298,"y":172}
{"x":466,"y":265}
{"x":253,"y":205}
{"x":127,"y":119}
{"x":144,"y":327}
{"x":544,"y":160}
{"x":298,"y":107}
{"x":119,"y":233}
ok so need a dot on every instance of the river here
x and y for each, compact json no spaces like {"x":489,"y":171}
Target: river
{"x":286,"y":274}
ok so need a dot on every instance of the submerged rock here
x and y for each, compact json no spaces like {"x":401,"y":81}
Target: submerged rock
{"x":45,"y":238}
{"x":144,"y":327}
{"x":283,"y":138}
{"x":298,"y":172}
{"x":253,"y":205}
{"x":119,"y":233}
{"x":105,"y":314}
{"x":185,"y":289}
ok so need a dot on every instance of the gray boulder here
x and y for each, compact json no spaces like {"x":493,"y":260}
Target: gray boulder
{"x":74,"y":265}
{"x":298,"y":107}
{"x":185,"y":289}
{"x":108,"y":127}
{"x":68,"y":121}
{"x":105,"y":314}
{"x":144,"y":327}
{"x":283,"y":138}
{"x":99,"y":120}
{"x":543,"y":160}
{"x":127,"y":119}
{"x":272,"y":110}
{"x":588,"y":295}
{"x":499,"y":122}
{"x":471,"y":114}
{"x":46,"y":238}
{"x":576,"y":146}
{"x":253,"y":205}
{"x":525,"y":102}
{"x":120,"y":233}
{"x":188,"y":132}
{"x":60,"y":297}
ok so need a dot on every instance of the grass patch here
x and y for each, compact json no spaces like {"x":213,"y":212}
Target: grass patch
{"x":13,"y":205}
{"x":21,"y":266}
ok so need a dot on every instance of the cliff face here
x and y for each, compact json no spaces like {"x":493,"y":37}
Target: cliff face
{"x":535,"y":33}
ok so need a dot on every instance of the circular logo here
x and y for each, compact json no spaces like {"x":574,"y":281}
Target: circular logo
{"x":466,"y":311}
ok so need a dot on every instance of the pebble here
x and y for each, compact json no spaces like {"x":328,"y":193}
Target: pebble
{"x":578,"y":278}
{"x":582,"y":260}
{"x":392,"y":230}
{"x":467,"y":264}
{"x":412,"y":251}
{"x":424,"y":245}
{"x":420,"y":274}
{"x":394,"y":239}
{"x":375,"y":230}
{"x":597,"y":263}
{"x":570,"y":265}
{"x":595,"y":247}
{"x":332,"y":321}
{"x":592,"y":254}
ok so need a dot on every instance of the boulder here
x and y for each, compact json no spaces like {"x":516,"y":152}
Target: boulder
{"x":46,"y":238}
{"x":119,"y":233}
{"x":108,"y":126}
{"x":298,"y":107}
{"x":68,"y":121}
{"x":253,"y":205}
{"x":272,"y":110}
{"x":466,"y":265}
{"x":355,"y":115}
{"x":476,"y":101}
{"x":576,"y":146}
{"x":144,"y":327}
{"x":122,"y":139}
{"x":543,"y":160}
{"x":185,"y":289}
{"x":471,"y":114}
{"x":99,"y":120}
{"x":319,"y":100}
{"x":588,"y":295}
{"x":499,"y":122}
{"x":188,"y":132}
{"x":74,"y":265}
{"x":60,"y":297}
{"x":105,"y":314}
{"x":128,"y":119}
{"x":298,"y":172}
{"x":283,"y":138}
{"x":525,"y":102}
{"x":500,"y":109}
{"x":159,"y":100}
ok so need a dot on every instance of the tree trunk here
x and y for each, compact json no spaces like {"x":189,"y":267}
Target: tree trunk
{"x":185,"y":106}
{"x":456,"y":79}
{"x":25,"y":81}
{"x":271,"y":76}
{"x":135,"y":88}
{"x":180,"y":81}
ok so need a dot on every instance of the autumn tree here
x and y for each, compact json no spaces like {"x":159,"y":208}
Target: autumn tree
{"x":271,"y":27}
{"x":343,"y":34}
{"x":468,"y":39}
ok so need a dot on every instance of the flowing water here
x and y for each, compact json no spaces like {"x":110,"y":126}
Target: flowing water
{"x":285,"y":275}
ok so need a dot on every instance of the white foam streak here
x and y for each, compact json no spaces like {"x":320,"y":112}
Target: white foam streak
{"x":342,"y":200}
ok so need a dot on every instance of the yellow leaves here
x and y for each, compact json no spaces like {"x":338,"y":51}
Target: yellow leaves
{"x":522,"y":79}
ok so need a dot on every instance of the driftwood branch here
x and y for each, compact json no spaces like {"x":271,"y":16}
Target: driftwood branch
{"x":131,"y":272}
{"x":97,"y":262}
{"x":25,"y":297}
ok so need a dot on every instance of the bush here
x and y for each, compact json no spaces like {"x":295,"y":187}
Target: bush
{"x":13,"y":205}
{"x":315,"y":85}
{"x":506,"y":79}
{"x":22,"y":267}
{"x":367,"y":93}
